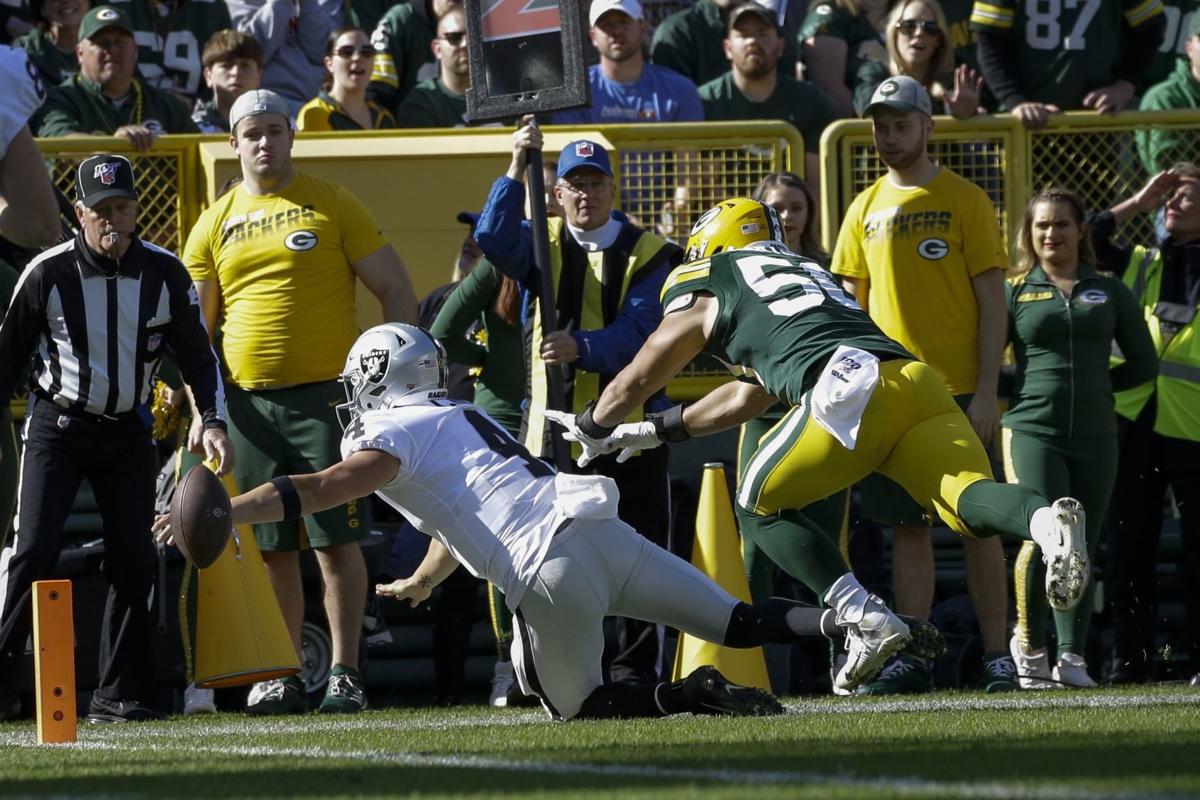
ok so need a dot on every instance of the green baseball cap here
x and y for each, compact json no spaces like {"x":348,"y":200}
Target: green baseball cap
{"x":102,"y":17}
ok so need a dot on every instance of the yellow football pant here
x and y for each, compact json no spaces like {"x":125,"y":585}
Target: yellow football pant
{"x":912,"y":431}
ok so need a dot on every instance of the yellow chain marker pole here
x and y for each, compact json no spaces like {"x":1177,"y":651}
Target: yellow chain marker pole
{"x":54,"y":661}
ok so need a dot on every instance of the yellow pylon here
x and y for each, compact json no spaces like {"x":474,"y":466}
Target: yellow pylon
{"x":240,"y":635}
{"x":717,"y":553}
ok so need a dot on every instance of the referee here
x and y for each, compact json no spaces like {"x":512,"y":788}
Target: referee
{"x":92,"y":317}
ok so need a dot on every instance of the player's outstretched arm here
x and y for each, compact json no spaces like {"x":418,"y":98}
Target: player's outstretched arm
{"x":727,"y":406}
{"x":433,"y":569}
{"x":678,"y":339}
{"x":292,"y":496}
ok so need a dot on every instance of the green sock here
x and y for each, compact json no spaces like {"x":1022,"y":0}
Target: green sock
{"x":999,"y":509}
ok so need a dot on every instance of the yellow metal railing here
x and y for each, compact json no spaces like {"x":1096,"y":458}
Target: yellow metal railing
{"x":415,"y":182}
{"x":1097,"y":156}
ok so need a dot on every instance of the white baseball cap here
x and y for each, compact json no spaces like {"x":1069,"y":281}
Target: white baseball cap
{"x":255,"y":102}
{"x":630,"y":8}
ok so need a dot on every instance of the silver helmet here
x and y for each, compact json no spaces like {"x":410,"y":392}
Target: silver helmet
{"x":391,"y":365}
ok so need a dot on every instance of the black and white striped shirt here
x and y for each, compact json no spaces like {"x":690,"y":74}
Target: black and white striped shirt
{"x":97,"y":330}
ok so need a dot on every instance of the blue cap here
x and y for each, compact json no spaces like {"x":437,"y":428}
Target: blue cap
{"x":582,"y":153}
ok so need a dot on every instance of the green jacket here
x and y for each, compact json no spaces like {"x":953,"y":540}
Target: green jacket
{"x":1064,"y":384}
{"x":500,"y":386}
{"x":1159,"y":148}
{"x":431,"y":105}
{"x":79,"y":106}
{"x":799,"y":102}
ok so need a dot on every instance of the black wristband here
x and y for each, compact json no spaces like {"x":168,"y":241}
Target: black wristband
{"x":668,"y":425}
{"x":588,"y":427}
{"x":290,"y":497}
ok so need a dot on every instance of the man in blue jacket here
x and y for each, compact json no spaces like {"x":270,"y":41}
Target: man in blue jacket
{"x":607,"y":277}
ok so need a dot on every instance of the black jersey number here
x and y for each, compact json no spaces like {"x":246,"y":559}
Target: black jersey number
{"x":790,"y":288}
{"x":499,"y":441}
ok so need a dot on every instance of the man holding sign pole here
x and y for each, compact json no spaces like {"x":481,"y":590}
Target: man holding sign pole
{"x":607,"y":275}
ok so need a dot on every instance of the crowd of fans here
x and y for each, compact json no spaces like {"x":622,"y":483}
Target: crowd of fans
{"x":136,"y":69}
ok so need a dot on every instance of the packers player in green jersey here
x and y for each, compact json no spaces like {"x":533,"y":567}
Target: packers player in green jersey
{"x":860,"y":403}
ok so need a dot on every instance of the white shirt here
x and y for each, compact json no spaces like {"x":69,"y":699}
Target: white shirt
{"x":467,"y":483}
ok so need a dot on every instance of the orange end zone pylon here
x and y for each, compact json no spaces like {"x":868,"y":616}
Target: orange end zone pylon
{"x":54,"y":661}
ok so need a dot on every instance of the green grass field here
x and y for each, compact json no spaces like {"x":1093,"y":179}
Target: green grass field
{"x":1141,"y":742}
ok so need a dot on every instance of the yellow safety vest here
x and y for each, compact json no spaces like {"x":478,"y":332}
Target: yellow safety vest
{"x":586,"y":385}
{"x":1178,"y":382}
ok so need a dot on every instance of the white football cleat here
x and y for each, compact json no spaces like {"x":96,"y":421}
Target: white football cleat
{"x":1033,"y":666}
{"x":503,"y":679}
{"x":1071,"y":670}
{"x":1064,"y":551}
{"x":870,"y":642}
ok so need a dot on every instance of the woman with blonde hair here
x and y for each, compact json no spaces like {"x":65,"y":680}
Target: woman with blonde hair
{"x":1060,"y":432}
{"x":919,"y":46}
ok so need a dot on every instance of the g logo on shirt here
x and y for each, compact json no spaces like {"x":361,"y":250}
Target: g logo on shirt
{"x":1093,"y":297}
{"x":300,"y":241}
{"x":933,"y":249}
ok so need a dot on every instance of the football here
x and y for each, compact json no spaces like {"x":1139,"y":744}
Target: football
{"x":201,"y":516}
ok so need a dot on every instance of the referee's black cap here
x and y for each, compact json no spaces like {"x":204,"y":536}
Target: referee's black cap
{"x":104,"y":176}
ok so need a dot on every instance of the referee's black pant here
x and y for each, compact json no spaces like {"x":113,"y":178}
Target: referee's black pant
{"x":120,"y":462}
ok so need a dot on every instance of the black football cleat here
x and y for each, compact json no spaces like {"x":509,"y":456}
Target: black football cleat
{"x":708,"y":692}
{"x":926,"y":641}
{"x":103,"y":710}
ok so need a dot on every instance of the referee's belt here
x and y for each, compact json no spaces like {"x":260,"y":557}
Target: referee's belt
{"x":139,"y":415}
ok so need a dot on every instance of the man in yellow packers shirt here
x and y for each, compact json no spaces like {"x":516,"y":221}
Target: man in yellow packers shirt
{"x":275,"y":261}
{"x":922,"y":253}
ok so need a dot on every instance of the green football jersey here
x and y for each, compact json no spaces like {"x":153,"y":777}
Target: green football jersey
{"x":171,"y":38}
{"x":1179,"y":15}
{"x":1063,"y":48}
{"x":781,"y":316}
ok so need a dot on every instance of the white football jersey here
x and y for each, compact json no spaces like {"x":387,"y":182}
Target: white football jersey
{"x":466,"y":482}
{"x":23,"y":93}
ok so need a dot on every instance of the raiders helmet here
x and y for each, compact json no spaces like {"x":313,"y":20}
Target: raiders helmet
{"x":731,"y":225}
{"x":392,"y":365}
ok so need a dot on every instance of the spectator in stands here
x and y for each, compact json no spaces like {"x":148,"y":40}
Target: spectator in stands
{"x":275,"y":262}
{"x":689,"y":41}
{"x":919,"y":46}
{"x":922,"y":251}
{"x":106,"y":97}
{"x":1060,"y":432}
{"x":839,"y":36}
{"x":1178,"y":14}
{"x":402,"y":42}
{"x":441,"y":101}
{"x":342,"y":103}
{"x":171,"y":35}
{"x":624,"y":87}
{"x":1162,"y":147}
{"x":232,"y":67}
{"x":51,"y":44}
{"x":607,"y":275}
{"x":1159,"y":429}
{"x":755,"y":87}
{"x":1073,"y":56}
{"x":293,"y":36}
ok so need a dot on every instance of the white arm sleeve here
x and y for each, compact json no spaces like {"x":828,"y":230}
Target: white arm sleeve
{"x":23,"y":93}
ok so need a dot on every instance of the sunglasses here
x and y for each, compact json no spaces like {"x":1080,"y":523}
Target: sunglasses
{"x":910,"y":26}
{"x":454,"y":39}
{"x":347,"y":52}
